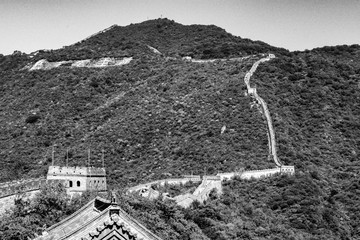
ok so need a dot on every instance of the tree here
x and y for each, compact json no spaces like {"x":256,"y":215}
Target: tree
{"x":30,"y":217}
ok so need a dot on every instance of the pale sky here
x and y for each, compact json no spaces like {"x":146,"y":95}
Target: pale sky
{"x":30,"y":25}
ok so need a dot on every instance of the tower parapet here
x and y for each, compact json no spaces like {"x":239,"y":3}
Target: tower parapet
{"x":80,"y":179}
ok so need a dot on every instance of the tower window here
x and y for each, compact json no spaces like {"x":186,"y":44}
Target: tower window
{"x":70,"y":184}
{"x":78,"y":183}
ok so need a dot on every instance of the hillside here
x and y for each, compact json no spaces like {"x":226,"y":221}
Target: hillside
{"x":160,"y":115}
{"x":152,"y":115}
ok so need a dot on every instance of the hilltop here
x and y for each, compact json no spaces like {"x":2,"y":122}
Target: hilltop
{"x":161,"y":116}
{"x":170,"y":38}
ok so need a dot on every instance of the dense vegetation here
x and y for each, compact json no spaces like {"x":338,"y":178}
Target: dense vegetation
{"x":162,"y":117}
{"x":152,"y":115}
{"x":30,"y":217}
{"x":281,"y":207}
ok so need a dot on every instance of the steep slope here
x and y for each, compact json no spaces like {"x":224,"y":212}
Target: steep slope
{"x":152,"y":115}
{"x":315,"y":102}
{"x":314,"y":98}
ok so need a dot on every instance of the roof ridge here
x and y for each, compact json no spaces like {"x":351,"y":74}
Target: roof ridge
{"x":78,"y":211}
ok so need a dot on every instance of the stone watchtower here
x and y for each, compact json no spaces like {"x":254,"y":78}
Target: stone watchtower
{"x":80,"y":179}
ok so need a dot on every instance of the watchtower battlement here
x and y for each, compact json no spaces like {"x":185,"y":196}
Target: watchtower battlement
{"x":287,"y":169}
{"x":71,"y":171}
{"x":80,"y":179}
{"x":74,"y":179}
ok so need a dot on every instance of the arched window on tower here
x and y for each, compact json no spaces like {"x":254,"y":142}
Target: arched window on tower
{"x":78,"y":183}
{"x":70,"y":184}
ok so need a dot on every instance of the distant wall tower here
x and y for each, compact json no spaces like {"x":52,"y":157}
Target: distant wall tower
{"x":80,"y":179}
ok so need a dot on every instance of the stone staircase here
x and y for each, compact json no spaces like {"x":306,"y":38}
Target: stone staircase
{"x":252,"y":92}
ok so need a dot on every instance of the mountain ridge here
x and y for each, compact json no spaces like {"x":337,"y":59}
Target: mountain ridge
{"x":161,"y":115}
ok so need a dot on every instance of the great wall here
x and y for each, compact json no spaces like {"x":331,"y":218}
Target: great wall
{"x":208,"y":183}
{"x":27,"y":185}
{"x":44,"y":64}
{"x":253,"y":92}
{"x":9,"y":191}
{"x":79,"y":179}
{"x":75,"y":179}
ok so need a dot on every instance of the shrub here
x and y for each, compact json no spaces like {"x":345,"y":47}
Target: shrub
{"x":32,"y":119}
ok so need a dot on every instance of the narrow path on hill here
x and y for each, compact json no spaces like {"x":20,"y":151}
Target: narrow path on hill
{"x":200,"y":194}
{"x":187,"y":58}
{"x":253,"y":92}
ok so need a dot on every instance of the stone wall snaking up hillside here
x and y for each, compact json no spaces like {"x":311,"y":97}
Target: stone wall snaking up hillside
{"x":22,"y":186}
{"x":162,"y":182}
{"x":256,"y":174}
{"x":59,"y":175}
{"x":208,"y":183}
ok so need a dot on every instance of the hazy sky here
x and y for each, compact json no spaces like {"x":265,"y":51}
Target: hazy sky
{"x":29,"y":25}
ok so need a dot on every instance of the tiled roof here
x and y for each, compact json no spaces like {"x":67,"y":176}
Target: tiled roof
{"x":99,"y":219}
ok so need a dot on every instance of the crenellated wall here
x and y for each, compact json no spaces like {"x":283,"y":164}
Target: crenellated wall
{"x":190,"y":59}
{"x":75,"y":179}
{"x":259,"y":173}
{"x":201,"y":193}
{"x":208,"y":183}
{"x":80,"y":179}
{"x":194,"y":178}
{"x":219,"y":177}
{"x":228,"y":176}
{"x":9,"y":201}
{"x":252,"y":92}
{"x":162,"y":182}
{"x":287,"y":169}
{"x":80,"y":171}
{"x":211,"y":178}
{"x":28,"y":185}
